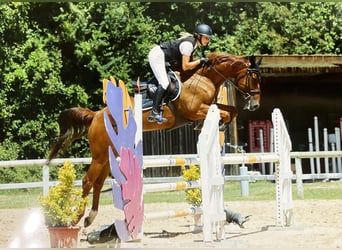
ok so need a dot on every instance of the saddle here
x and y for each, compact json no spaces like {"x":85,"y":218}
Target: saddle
{"x":148,"y":89}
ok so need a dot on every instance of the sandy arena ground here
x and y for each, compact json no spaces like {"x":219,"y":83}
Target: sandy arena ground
{"x":317,"y":224}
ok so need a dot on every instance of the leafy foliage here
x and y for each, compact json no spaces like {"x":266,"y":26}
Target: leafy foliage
{"x":192,"y":195}
{"x":287,"y":28}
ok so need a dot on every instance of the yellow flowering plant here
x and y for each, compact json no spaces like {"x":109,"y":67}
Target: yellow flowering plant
{"x":63,"y":204}
{"x":192,"y":195}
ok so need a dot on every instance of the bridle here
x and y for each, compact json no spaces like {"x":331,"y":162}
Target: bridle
{"x":246,"y":94}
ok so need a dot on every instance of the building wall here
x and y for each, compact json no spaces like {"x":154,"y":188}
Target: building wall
{"x":300,"y":99}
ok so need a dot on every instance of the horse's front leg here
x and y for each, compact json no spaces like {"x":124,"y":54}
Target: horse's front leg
{"x":96,"y":195}
{"x":226,"y":117}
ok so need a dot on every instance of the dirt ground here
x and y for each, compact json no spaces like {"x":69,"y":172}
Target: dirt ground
{"x":317,"y":224}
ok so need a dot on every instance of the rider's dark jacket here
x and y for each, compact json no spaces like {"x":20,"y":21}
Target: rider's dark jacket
{"x":172,"y":53}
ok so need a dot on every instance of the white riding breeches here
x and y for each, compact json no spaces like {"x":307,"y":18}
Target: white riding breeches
{"x":156,"y":58}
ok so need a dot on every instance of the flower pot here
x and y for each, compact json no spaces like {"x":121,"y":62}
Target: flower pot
{"x":63,"y":237}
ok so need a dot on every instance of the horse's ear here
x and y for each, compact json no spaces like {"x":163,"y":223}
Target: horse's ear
{"x":259,"y":62}
{"x":252,"y":61}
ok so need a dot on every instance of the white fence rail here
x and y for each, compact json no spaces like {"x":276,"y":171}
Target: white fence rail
{"x":179,"y":160}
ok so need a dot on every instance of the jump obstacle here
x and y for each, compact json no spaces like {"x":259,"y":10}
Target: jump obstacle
{"x":212,"y":179}
{"x":281,"y":157}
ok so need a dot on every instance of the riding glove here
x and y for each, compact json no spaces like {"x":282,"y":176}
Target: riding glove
{"x":204,"y":61}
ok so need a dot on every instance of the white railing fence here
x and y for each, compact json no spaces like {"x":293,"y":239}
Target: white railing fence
{"x":178,"y":160}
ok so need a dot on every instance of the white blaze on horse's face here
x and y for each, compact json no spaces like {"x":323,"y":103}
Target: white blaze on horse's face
{"x":252,"y":86}
{"x":253,"y":101}
{"x":251,"y":104}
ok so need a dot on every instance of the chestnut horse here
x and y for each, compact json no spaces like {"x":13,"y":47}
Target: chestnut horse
{"x":199,"y":90}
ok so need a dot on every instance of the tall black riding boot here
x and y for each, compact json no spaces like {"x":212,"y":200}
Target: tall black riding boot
{"x":155,"y":116}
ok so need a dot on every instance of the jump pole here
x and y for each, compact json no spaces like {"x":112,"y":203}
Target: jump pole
{"x":171,"y":186}
{"x":174,"y":213}
{"x":228,"y":158}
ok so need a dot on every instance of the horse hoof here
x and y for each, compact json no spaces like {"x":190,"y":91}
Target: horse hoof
{"x":222,"y":127}
{"x":199,"y":126}
{"x":87,"y":222}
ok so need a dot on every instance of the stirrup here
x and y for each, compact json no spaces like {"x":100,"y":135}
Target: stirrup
{"x":156,"y":117}
{"x":161,"y":120}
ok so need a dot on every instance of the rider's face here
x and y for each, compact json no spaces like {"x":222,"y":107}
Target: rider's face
{"x":205,"y":40}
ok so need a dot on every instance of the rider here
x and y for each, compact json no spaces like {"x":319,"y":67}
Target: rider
{"x":178,"y":53}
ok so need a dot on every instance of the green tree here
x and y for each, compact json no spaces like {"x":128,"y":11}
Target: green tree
{"x":107,"y":39}
{"x":287,"y":28}
{"x":32,"y":92}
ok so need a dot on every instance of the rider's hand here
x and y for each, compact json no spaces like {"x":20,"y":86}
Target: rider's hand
{"x":204,"y":61}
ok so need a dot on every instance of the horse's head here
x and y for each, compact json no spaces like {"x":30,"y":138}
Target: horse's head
{"x":224,"y":67}
{"x":248,"y":83}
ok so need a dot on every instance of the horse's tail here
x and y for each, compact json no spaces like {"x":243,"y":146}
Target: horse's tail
{"x":73,"y":124}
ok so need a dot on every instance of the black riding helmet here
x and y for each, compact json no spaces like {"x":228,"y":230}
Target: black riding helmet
{"x":203,"y":29}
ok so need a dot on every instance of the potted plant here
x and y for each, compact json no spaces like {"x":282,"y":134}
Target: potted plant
{"x":61,"y":208}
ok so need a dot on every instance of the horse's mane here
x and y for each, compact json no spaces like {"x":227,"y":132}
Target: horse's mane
{"x":217,"y":58}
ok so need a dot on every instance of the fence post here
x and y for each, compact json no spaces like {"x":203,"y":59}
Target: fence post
{"x":326,"y":148}
{"x":45,"y":179}
{"x":338,"y":148}
{"x":244,"y":184}
{"x":261,"y":136}
{"x":299,"y":180}
{"x":333,"y":159}
{"x":318,"y":160}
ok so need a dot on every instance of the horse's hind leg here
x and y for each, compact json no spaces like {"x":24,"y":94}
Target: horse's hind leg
{"x":89,"y":181}
{"x":97,"y":186}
